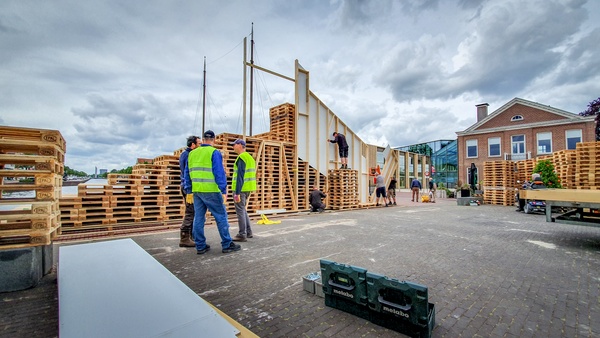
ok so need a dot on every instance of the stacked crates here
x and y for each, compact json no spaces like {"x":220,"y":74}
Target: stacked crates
{"x":500,"y":182}
{"x":588,"y":167}
{"x":565,"y":164}
{"x":343,"y":189}
{"x":397,"y":305}
{"x":151,"y":193}
{"x":31,"y":169}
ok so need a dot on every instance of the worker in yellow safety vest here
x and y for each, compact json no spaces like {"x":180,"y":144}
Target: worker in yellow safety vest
{"x":209,"y":187}
{"x":243,"y":184}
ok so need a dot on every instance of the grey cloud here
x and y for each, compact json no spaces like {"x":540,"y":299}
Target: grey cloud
{"x":128,"y":118}
{"x":513,"y":44}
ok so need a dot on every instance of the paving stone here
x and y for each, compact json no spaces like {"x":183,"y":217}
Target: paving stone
{"x":490,"y":271}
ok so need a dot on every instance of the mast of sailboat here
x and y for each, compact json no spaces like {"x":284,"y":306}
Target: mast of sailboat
{"x":204,"y":97}
{"x":244,"y":94}
{"x":251,"y":74}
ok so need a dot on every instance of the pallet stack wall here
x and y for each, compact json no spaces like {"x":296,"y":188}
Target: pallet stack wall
{"x":343,"y":189}
{"x":588,"y":167}
{"x":151,"y":193}
{"x":565,"y":166}
{"x":500,"y":180}
{"x":576,"y":169}
{"x":31,"y":169}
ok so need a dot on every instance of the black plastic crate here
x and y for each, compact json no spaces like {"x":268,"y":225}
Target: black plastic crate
{"x":390,"y":321}
{"x":403,"y":300}
{"x":345,"y":287}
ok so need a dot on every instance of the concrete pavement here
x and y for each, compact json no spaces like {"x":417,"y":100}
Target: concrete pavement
{"x":491,"y":272}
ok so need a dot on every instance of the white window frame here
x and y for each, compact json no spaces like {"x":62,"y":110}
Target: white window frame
{"x":469,"y":143}
{"x":512,"y":146}
{"x":491,"y":142}
{"x":577,"y":131}
{"x":516,"y":118}
{"x":548,"y":136}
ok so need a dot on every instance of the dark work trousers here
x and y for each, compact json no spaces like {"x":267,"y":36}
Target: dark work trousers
{"x":188,"y":216}
{"x":242,"y":215}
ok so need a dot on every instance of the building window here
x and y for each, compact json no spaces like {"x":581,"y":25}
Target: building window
{"x":518,"y":147}
{"x":494,"y":147}
{"x":516,"y":118}
{"x":471,"y":148}
{"x":573,"y":137}
{"x":544,"y":143}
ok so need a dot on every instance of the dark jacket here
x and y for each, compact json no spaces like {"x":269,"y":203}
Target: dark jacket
{"x":315,"y":197}
{"x":416,"y":184}
{"x":186,"y":182}
{"x":340,"y":139}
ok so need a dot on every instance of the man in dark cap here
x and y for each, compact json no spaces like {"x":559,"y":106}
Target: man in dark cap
{"x":209,"y":186}
{"x":243,"y":184}
{"x":340,"y":139}
{"x":186,"y":190}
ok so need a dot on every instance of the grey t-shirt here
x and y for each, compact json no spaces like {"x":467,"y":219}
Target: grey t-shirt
{"x":380,"y":182}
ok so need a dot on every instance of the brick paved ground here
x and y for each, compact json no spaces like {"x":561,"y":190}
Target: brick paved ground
{"x":491,"y":272}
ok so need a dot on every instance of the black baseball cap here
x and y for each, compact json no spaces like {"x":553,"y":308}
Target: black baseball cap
{"x":209,"y":134}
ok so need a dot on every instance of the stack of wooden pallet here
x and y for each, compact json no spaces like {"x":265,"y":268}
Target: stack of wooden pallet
{"x":588,"y":165}
{"x":499,"y":184}
{"x":343,"y":189}
{"x":564,"y":162}
{"x":150,"y":193}
{"x":282,"y":125}
{"x":576,"y":169}
{"x":31,"y":169}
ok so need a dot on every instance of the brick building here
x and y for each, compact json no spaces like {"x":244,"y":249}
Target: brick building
{"x":519,"y":130}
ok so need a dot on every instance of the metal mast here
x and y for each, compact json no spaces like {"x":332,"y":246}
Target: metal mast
{"x":251,"y":74}
{"x":204,"y":98}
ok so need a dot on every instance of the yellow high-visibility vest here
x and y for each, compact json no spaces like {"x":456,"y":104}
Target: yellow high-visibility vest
{"x":249,"y":174}
{"x":200,"y":166}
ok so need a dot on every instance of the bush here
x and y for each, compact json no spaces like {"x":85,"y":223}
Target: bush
{"x":547,"y":173}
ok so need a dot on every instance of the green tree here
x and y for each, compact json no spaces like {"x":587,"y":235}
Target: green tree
{"x":594,"y":109}
{"x":547,"y":173}
{"x":72,"y":172}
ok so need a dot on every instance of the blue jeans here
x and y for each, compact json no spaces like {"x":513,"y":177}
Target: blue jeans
{"x":212,"y":201}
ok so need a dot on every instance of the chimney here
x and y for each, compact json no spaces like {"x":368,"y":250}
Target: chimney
{"x":482,"y":111}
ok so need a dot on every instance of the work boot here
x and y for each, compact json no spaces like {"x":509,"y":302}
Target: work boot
{"x":232,"y":247}
{"x":239,"y":238}
{"x":186,"y":241}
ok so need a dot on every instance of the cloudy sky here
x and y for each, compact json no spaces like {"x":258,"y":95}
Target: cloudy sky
{"x":123,"y":79}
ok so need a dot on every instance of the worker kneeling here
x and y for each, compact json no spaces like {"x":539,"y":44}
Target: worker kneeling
{"x":315,"y":200}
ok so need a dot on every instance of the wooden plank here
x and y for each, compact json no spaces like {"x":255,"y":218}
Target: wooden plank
{"x":566,"y":195}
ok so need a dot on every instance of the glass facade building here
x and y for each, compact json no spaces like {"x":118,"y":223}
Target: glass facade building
{"x":444,"y":158}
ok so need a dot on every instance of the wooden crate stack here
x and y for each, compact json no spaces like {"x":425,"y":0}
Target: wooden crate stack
{"x":500,"y":181}
{"x":343,"y":189}
{"x":282,"y":124}
{"x":307,"y":178}
{"x":151,"y":193}
{"x":31,"y":169}
{"x":564,"y":162}
{"x":588,"y":166}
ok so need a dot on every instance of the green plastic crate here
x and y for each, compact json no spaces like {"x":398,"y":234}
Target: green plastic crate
{"x":345,"y":287}
{"x":403,"y":300}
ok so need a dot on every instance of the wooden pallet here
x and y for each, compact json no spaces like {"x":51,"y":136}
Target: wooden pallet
{"x":43,"y":136}
{"x":28,"y":147}
{"x":27,"y":239}
{"x":45,"y":164}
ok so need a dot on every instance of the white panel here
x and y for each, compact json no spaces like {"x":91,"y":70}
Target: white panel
{"x":301,"y":92}
{"x":323,"y":135}
{"x":301,"y":131}
{"x":116,"y":289}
